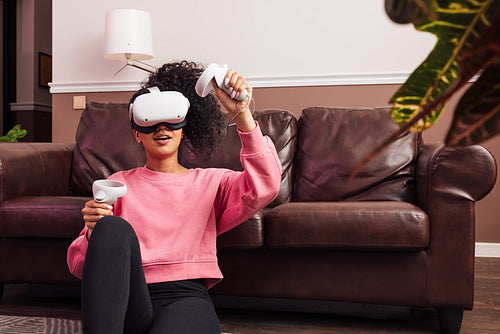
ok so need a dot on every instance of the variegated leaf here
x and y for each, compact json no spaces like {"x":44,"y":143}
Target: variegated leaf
{"x":457,"y":26}
{"x":477,"y":116}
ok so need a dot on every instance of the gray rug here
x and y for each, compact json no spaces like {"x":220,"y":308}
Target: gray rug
{"x":38,"y":325}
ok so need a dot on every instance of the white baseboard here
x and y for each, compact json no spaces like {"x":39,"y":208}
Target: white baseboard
{"x":484,"y":249}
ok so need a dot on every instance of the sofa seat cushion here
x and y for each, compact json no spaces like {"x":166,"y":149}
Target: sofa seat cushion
{"x":42,"y":217}
{"x":249,"y":235}
{"x":382,"y":226}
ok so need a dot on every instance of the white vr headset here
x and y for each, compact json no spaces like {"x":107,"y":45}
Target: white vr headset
{"x":152,"y":109}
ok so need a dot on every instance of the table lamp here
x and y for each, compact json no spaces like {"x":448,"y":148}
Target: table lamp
{"x":128,"y":37}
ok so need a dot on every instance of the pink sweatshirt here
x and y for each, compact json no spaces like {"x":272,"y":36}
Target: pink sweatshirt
{"x":177,"y":217}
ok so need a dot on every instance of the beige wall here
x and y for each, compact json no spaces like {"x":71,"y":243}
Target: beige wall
{"x":262,"y":38}
{"x":295,"y":99}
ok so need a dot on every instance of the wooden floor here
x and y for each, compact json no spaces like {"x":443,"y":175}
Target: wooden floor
{"x":484,"y":318}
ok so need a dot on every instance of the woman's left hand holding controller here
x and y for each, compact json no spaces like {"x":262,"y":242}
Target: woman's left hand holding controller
{"x":238,"y":110}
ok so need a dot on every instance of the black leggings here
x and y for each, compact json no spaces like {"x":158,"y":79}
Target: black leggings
{"x":116,"y":298}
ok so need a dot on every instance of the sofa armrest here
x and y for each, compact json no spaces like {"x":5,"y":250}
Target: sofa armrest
{"x":34,"y":169}
{"x":449,"y":180}
{"x":467,"y":172}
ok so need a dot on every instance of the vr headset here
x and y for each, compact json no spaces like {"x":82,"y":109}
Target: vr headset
{"x":155,"y":108}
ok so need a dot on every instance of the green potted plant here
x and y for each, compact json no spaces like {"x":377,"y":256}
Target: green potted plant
{"x":14,"y":134}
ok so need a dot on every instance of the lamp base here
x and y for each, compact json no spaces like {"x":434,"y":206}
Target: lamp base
{"x":138,"y":64}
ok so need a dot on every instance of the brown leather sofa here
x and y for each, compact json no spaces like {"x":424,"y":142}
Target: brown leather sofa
{"x":400,"y":233}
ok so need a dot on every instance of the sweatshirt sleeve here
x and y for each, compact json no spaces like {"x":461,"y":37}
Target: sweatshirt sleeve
{"x":242,"y":194}
{"x":76,"y":253}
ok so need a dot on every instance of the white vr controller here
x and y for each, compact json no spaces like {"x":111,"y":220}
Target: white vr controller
{"x":204,"y":83}
{"x":108,"y":191}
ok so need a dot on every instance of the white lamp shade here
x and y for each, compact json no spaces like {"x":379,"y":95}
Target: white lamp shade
{"x":128,"y":31}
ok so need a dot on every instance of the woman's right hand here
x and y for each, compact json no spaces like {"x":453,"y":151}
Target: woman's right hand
{"x":93,"y":211}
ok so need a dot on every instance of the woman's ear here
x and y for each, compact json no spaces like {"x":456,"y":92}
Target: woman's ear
{"x":137,"y":135}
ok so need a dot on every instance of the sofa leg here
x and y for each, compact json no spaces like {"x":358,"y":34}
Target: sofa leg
{"x":450,"y":320}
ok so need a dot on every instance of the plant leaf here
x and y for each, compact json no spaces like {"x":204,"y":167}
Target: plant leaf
{"x":478,"y":48}
{"x":477,"y":116}
{"x":22,"y":133}
{"x":14,"y":134}
{"x":458,"y":25}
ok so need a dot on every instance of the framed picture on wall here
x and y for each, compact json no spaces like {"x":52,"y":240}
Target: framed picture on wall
{"x":44,"y":69}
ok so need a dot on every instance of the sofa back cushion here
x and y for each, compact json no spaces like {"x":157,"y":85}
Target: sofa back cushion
{"x":279,"y":125}
{"x":105,"y":144}
{"x":333,"y":141}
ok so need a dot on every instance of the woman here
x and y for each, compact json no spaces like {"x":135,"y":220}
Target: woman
{"x":147,"y":262}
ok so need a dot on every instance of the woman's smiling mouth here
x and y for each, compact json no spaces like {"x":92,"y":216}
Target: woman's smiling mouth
{"x":162,"y":138}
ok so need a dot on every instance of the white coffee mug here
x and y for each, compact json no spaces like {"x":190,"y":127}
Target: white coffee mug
{"x":108,"y":191}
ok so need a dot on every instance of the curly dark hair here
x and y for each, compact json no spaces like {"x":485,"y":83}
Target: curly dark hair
{"x":205,"y":121}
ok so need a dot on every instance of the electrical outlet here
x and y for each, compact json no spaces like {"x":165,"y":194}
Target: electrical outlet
{"x":78,"y":102}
